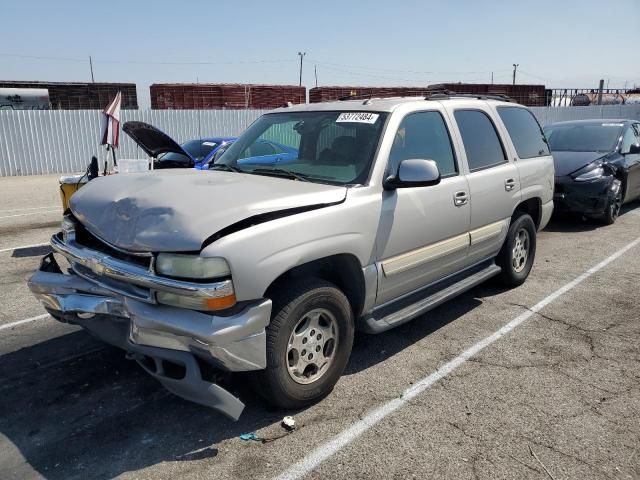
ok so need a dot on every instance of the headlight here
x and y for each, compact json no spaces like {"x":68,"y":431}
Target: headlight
{"x":191,"y":266}
{"x":196,"y":303}
{"x":590,"y":175}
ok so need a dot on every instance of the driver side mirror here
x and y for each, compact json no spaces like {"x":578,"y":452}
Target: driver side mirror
{"x":634,"y":148}
{"x":414,"y":172}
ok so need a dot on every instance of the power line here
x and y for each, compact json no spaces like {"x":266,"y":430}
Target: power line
{"x":135,"y":62}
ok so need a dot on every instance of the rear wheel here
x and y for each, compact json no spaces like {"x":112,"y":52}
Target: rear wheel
{"x":309,"y":343}
{"x":518,"y":251}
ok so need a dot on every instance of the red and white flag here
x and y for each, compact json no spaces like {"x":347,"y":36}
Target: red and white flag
{"x":111,"y":122}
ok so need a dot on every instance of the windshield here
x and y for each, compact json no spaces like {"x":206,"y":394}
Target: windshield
{"x":324,"y":147}
{"x":600,"y":137}
{"x":198,"y":149}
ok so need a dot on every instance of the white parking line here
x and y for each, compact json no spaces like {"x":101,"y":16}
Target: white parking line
{"x":344,"y":438}
{"x":10,"y":210}
{"x":31,"y":213}
{"x":7,"y":326}
{"x":11,"y":249}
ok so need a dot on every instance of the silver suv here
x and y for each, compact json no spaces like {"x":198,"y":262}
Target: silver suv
{"x":269,"y":265}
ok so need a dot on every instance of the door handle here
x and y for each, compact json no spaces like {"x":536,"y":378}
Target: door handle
{"x":460,"y":198}
{"x":509,"y":184}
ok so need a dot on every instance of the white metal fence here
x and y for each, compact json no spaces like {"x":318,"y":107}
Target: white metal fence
{"x":34,"y":142}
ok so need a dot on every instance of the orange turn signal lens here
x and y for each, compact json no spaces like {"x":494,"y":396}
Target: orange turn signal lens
{"x":220,"y":303}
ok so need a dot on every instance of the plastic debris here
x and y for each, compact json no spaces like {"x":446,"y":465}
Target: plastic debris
{"x":289,"y":423}
{"x":250,"y":436}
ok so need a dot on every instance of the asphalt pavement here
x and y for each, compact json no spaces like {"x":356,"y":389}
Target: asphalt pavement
{"x":538,"y":382}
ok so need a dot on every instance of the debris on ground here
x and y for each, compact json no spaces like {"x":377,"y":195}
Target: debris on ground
{"x":250,"y":436}
{"x":289,"y":423}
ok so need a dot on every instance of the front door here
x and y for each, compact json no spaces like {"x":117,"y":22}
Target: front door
{"x":631,"y":160}
{"x":423,"y":231}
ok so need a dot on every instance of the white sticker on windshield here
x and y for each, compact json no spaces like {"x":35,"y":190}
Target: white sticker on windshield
{"x":357,"y":117}
{"x":209,"y":144}
{"x":612,"y":125}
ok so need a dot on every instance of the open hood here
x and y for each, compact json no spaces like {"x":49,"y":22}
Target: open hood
{"x":152,"y":140}
{"x":178,"y":210}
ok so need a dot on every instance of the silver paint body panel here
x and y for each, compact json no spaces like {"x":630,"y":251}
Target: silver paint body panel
{"x":403,"y":239}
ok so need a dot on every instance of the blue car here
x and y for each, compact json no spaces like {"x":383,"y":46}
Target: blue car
{"x":167,"y":153}
{"x":200,"y":153}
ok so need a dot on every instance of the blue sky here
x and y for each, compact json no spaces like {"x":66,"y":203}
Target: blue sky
{"x":559,"y":43}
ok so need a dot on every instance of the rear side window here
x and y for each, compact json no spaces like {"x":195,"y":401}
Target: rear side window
{"x":480,"y":139}
{"x":525,"y":132}
{"x":423,"y":135}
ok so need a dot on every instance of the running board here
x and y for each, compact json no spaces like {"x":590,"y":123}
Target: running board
{"x":389,"y":317}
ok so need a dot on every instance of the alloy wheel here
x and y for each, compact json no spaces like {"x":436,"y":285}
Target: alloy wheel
{"x":312,"y":346}
{"x":520,"y":252}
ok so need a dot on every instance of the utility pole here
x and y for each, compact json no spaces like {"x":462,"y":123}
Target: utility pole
{"x":600,"y":87}
{"x":91,"y":68}
{"x":515,"y":68}
{"x":301,"y":54}
{"x":315,"y":71}
{"x":491,"y":78}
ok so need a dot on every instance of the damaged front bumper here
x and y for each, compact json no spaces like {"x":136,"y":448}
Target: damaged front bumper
{"x":170,"y":343}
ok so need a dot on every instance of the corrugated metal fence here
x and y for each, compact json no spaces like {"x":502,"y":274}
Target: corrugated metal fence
{"x":34,"y":142}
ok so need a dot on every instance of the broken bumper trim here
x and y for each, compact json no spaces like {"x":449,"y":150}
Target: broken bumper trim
{"x":191,"y":385}
{"x":160,"y":333}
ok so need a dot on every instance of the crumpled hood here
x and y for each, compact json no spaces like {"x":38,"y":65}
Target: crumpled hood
{"x":177,"y":210}
{"x":568,"y":162}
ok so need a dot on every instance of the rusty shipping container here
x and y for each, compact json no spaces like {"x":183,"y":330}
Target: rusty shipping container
{"x":79,"y":95}
{"x":218,"y":96}
{"x":327,"y":94}
{"x":529,"y":95}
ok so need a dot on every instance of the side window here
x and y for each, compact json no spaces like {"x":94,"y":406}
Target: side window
{"x":480,"y":139}
{"x":283,"y":133}
{"x":628,"y":139}
{"x":424,"y":135}
{"x":525,"y":132}
{"x":260,"y":149}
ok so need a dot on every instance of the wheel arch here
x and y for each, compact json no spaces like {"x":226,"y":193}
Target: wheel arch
{"x":532,"y":207}
{"x":343,"y":270}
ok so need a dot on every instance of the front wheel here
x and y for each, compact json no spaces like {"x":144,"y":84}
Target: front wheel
{"x":309,"y":342}
{"x":518,"y":251}
{"x":614,"y":204}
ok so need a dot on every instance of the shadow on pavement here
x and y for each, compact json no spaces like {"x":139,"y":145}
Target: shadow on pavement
{"x":98,"y":415}
{"x":86,"y":411}
{"x":566,"y":223}
{"x":31,"y":251}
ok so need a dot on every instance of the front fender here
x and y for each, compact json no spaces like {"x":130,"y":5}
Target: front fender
{"x":259,"y":254}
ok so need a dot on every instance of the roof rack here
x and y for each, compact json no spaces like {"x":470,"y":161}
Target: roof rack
{"x":444,"y":94}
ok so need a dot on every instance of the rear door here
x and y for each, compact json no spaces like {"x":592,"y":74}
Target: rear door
{"x":494,"y":185}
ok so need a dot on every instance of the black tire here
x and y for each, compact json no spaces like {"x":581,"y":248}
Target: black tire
{"x":275,"y":383}
{"x":614,"y":204}
{"x":510,"y":275}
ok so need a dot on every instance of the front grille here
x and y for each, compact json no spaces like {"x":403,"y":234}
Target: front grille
{"x":87,"y":239}
{"x":124,"y":288}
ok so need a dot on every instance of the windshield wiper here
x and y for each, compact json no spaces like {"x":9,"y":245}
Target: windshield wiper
{"x":224,"y":166}
{"x":281,"y":172}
